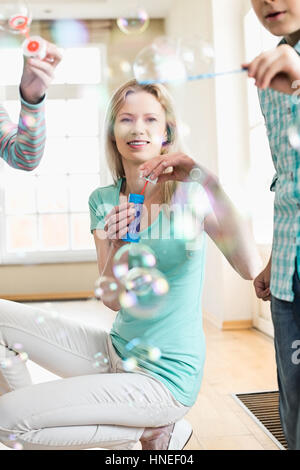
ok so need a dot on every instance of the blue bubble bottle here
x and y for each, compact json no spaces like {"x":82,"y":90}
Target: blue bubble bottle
{"x":134,"y":227}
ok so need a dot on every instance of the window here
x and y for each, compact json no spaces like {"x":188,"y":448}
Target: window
{"x":44,"y":215}
{"x":262,"y":170}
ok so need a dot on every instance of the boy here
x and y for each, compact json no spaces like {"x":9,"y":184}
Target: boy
{"x":22,"y":147}
{"x":276,"y":73}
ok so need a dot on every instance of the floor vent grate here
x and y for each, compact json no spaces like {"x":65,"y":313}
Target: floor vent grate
{"x":263,"y":408}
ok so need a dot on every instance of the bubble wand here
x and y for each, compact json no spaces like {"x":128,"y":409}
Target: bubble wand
{"x":202,"y":76}
{"x":19,"y":23}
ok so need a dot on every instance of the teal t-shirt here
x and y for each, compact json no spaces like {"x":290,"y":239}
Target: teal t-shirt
{"x":177,"y":328}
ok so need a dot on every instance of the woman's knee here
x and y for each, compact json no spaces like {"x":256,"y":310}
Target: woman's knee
{"x":10,"y":418}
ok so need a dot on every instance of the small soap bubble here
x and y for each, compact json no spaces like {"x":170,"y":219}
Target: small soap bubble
{"x":106,"y":289}
{"x":136,"y":21}
{"x":154,"y":354}
{"x":132,"y":256}
{"x":294,"y":135}
{"x":6,"y":363}
{"x":18,"y":446}
{"x":23,"y":356}
{"x":28,"y":120}
{"x":40,"y":319}
{"x":129,"y":364}
{"x":139,"y":350}
{"x":100,"y":361}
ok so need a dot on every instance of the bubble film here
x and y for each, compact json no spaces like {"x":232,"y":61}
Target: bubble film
{"x":132,"y":256}
{"x":294,"y":135}
{"x":147,"y":290}
{"x":168,"y":59}
{"x":106,"y":289}
{"x":100,"y":361}
{"x":140,"y":350}
{"x":136,"y":22}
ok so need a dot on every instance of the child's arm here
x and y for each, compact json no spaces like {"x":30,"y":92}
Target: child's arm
{"x":22,"y":146}
{"x":278,"y":68}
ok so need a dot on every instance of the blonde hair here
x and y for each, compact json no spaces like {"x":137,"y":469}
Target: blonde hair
{"x":114,"y":158}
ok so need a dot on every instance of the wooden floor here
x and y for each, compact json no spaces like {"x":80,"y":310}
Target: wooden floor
{"x":237,"y":362}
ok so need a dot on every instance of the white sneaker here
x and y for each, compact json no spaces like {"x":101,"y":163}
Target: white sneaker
{"x":180,"y":435}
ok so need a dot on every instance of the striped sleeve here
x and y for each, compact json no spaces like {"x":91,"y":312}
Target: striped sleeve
{"x":22,"y":146}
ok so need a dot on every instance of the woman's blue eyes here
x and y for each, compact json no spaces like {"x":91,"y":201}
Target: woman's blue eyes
{"x":130,"y":120}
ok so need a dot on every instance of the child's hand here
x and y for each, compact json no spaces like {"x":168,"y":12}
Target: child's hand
{"x":262,"y":284}
{"x":180,"y":164}
{"x":276,"y":69}
{"x":117,"y":221}
{"x":38,"y":74}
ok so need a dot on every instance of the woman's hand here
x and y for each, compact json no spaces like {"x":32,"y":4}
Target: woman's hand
{"x":179,"y":164}
{"x":38,"y":74}
{"x":277,"y":69}
{"x":117,"y":221}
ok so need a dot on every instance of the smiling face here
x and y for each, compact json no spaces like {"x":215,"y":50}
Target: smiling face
{"x":280,"y":17}
{"x":140,"y":127}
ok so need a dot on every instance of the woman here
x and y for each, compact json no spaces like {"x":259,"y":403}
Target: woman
{"x":116,"y":408}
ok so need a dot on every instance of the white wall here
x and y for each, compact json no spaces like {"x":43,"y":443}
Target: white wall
{"x":217,"y":113}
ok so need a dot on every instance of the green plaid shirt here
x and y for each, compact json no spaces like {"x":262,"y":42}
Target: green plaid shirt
{"x":280,"y":112}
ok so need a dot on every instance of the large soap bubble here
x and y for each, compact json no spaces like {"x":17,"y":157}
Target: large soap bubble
{"x":106,"y":289}
{"x":146,"y":291}
{"x":132,"y":255}
{"x":168,"y":59}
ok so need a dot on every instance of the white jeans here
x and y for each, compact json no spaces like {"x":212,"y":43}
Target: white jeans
{"x":95,"y":404}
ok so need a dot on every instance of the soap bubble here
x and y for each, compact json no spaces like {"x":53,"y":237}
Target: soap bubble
{"x":168,"y":59}
{"x":160,"y":62}
{"x":6,"y":363}
{"x":15,"y":17}
{"x":132,"y":256}
{"x":9,"y":362}
{"x":100,"y":361}
{"x":146,"y":292}
{"x":136,"y":22}
{"x":294,"y":135}
{"x":119,"y":70}
{"x":138,"y":351}
{"x":129,"y":364}
{"x":197,"y":55}
{"x":106,"y":288}
{"x":18,"y":446}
